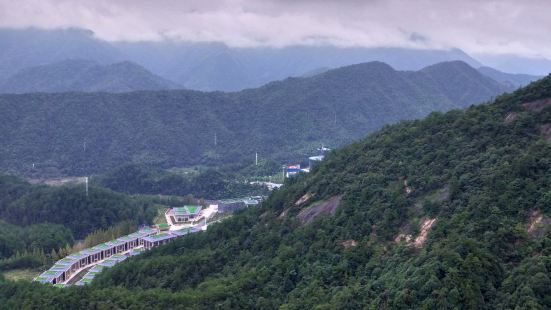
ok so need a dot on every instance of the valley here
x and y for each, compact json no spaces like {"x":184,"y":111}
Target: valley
{"x":405,"y":205}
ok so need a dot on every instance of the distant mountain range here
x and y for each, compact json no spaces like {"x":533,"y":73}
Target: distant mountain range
{"x":86,"y":76}
{"x":210,"y":66}
{"x":512,"y":80}
{"x":80,"y":133}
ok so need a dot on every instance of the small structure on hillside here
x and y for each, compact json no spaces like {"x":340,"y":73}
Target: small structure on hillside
{"x":185,"y":214}
{"x":291,"y":170}
{"x":230,"y":205}
{"x":313,"y":160}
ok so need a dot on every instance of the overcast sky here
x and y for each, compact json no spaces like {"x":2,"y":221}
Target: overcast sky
{"x":521,"y":27}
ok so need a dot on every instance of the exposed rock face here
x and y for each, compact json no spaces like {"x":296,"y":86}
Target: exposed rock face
{"x":510,"y":117}
{"x":328,"y":207}
{"x":350,"y":243}
{"x":304,"y":199}
{"x":538,"y":224}
{"x":403,"y":237}
{"x":425,"y":228}
{"x":407,"y":188}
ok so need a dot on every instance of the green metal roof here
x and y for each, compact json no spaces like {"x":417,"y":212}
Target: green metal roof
{"x":187,"y":210}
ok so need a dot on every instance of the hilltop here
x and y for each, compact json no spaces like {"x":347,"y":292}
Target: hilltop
{"x":82,"y":133}
{"x":84,"y":76}
{"x":207,"y":66}
{"x":452,"y":211}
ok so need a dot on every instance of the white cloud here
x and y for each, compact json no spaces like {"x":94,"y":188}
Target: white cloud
{"x":476,"y":26}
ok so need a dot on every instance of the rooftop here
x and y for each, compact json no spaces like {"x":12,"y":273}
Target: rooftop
{"x":163,"y":226}
{"x":159,"y":237}
{"x":187,"y":210}
{"x":317,"y":158}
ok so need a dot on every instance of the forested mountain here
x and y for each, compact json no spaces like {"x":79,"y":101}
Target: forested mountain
{"x":513,"y":80}
{"x":201,"y":66}
{"x":449,"y":212}
{"x":214,"y":66}
{"x":81,"y":133}
{"x":84,"y":76}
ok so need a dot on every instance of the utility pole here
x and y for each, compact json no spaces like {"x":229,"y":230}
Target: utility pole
{"x":256,"y":159}
{"x":215,"y":140}
{"x":86,"y":180}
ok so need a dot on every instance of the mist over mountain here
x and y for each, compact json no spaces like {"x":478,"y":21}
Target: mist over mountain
{"x":34,"y":47}
{"x":513,"y":80}
{"x":516,"y":64}
{"x":86,"y":76}
{"x":78,"y":133}
{"x":202,"y":66}
{"x":212,"y":66}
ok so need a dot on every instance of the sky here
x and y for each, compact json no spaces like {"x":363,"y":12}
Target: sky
{"x":519,"y":27}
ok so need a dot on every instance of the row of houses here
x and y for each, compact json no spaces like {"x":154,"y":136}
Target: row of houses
{"x":107,"y":254}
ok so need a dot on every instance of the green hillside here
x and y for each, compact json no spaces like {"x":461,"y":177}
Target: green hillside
{"x":43,"y":218}
{"x":449,"y":212}
{"x":83,"y":133}
{"x":203,"y":183}
{"x":24,"y":204}
{"x":40,"y":223}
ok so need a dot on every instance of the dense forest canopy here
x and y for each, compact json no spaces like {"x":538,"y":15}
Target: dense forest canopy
{"x":39,"y":223}
{"x":25,"y":204}
{"x":225,"y":182}
{"x":84,"y":133}
{"x":449,"y":212}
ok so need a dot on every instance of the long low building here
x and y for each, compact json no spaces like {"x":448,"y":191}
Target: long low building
{"x":107,"y":254}
{"x":65,"y":268}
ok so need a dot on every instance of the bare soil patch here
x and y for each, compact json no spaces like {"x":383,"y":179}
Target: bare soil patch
{"x":425,"y":228}
{"x":537,"y":105}
{"x":350,"y":243}
{"x":509,"y":118}
{"x":538,"y":224}
{"x":545,"y":131}
{"x":304,"y":199}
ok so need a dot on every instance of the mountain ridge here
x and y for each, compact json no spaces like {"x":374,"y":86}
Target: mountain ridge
{"x":296,"y":115}
{"x":77,"y":75}
{"x":449,"y":212}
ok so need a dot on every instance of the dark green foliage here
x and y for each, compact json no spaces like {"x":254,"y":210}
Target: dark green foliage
{"x":44,"y":237}
{"x":483,"y":179}
{"x":24,"y":204}
{"x":84,"y":133}
{"x":205,"y":183}
{"x":40,"y":219}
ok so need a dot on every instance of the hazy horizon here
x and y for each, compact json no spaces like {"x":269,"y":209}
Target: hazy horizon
{"x":477,"y":27}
